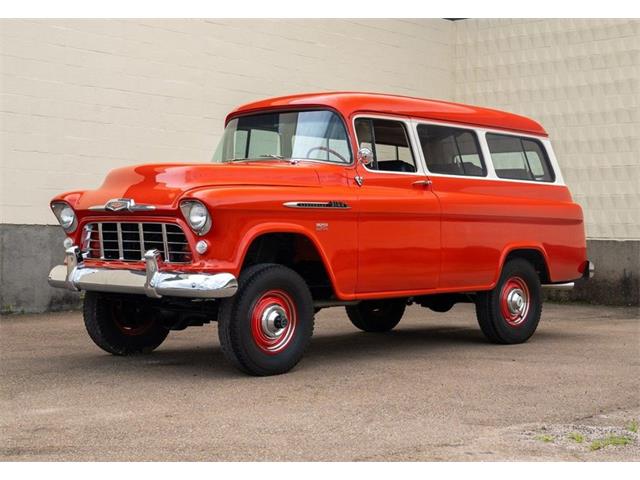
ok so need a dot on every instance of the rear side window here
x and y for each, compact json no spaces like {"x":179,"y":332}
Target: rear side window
{"x":519,"y":158}
{"x":452,"y":151}
{"x":389,"y":142}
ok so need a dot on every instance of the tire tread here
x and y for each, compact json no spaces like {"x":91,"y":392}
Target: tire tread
{"x":97,"y":322}
{"x":488,"y":315}
{"x":230,"y":337}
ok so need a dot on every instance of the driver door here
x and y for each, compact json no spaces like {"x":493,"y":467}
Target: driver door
{"x":398,"y":215}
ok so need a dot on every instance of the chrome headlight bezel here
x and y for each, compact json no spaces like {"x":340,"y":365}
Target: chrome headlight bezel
{"x":197,"y":216}
{"x":66,"y":216}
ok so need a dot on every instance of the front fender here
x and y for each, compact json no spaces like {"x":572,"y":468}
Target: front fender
{"x":240,"y":215}
{"x":282,"y":227}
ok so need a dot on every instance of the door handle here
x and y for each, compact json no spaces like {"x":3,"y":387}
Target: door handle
{"x":422,"y":183}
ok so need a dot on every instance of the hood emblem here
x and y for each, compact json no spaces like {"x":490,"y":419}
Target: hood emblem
{"x":119,"y":204}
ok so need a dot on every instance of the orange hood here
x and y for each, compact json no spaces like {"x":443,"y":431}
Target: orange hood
{"x":163,"y":185}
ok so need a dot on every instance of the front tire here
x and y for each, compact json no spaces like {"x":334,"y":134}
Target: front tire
{"x":510,"y":313}
{"x":121,"y":326}
{"x":377,"y":315}
{"x":267,"y":325}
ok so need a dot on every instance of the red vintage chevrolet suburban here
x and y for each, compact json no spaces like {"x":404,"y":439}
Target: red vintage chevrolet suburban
{"x":371,"y":202}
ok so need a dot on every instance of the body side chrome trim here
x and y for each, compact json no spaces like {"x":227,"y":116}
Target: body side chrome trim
{"x":311,"y":204}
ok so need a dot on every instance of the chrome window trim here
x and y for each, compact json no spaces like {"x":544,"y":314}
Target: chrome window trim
{"x":481,"y":133}
{"x":406,"y":121}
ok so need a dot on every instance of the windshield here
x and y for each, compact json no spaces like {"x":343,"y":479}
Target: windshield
{"x":304,"y":135}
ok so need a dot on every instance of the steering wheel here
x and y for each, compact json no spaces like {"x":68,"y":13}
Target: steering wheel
{"x":328,"y":150}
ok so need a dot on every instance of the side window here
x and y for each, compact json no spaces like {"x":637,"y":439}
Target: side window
{"x":519,"y":158}
{"x":453,"y":151}
{"x":333,"y":145}
{"x":389,"y":142}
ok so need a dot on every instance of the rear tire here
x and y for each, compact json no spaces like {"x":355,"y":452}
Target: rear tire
{"x":267,"y":325}
{"x":121,"y":327}
{"x":377,"y":316}
{"x":510,"y":313}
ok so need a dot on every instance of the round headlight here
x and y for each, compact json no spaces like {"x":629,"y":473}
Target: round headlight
{"x":65,"y":215}
{"x":196,"y":215}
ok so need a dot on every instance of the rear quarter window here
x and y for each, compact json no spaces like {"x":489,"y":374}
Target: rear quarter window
{"x":451,"y":151}
{"x":519,"y":158}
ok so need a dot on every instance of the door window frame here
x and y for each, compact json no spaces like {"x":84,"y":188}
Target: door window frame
{"x":411,"y":138}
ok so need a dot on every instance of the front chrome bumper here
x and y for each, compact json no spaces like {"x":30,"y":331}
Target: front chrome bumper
{"x":152,"y":282}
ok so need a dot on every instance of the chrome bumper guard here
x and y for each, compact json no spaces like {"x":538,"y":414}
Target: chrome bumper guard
{"x":152,"y":282}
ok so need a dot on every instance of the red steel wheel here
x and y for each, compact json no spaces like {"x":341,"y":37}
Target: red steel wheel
{"x":130,"y":320}
{"x":273,"y":321}
{"x":122,"y":327}
{"x":510,"y":312}
{"x":266,"y":326}
{"x":514,"y":301}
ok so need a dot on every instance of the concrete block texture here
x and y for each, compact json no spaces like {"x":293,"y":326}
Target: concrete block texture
{"x":579,"y":78}
{"x":617,"y":275}
{"x":81,"y":97}
{"x":27,"y":254}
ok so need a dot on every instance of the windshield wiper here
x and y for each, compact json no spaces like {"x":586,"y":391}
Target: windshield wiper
{"x":292,"y":161}
{"x":268,"y":156}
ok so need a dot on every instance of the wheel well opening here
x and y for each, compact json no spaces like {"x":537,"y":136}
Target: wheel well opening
{"x":536,"y":259}
{"x":297,"y":252}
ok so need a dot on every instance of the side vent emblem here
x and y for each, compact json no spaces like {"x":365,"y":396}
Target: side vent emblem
{"x":333,"y":204}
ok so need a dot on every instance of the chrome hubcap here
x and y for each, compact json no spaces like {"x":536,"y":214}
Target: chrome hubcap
{"x":516,"y":302}
{"x":274,"y":321}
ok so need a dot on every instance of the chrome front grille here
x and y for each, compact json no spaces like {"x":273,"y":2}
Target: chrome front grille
{"x":129,"y":241}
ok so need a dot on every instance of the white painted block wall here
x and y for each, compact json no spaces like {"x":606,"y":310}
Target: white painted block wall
{"x":80,"y":97}
{"x":581,"y":80}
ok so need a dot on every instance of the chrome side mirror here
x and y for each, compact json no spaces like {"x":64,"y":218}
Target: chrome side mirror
{"x":365,"y":156}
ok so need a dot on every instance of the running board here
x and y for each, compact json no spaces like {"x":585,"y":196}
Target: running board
{"x":334,"y":303}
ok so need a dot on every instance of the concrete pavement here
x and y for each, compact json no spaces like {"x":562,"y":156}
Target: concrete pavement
{"x":433,"y":389}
